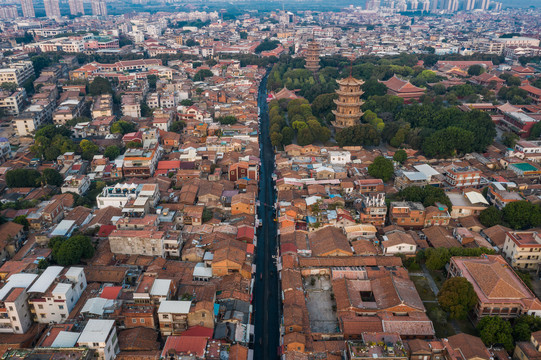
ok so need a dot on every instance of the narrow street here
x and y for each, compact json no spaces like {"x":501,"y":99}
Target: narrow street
{"x":266,"y":300}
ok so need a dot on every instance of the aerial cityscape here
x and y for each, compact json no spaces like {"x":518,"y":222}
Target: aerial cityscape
{"x":346,"y":180}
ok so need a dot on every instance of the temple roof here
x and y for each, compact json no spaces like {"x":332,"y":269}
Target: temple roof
{"x":399,"y":85}
{"x":350,"y":80}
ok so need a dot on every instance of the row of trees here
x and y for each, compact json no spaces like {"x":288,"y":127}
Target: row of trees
{"x":33,"y":178}
{"x":517,"y":215}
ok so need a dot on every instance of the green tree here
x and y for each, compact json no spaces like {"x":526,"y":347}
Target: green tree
{"x":495,"y":330}
{"x":133,"y":145}
{"x":88,"y":149}
{"x":457,"y":297}
{"x":177,"y":126}
{"x":437,"y":258}
{"x":9,"y":86}
{"x":522,"y":215}
{"x":276,"y":139}
{"x":535,"y":131}
{"x":22,"y":220}
{"x":186,"y":102}
{"x":267,"y":45}
{"x":112,"y":152}
{"x":100,"y":86}
{"x":69,"y":252}
{"x":524,"y":325}
{"x":373,"y":87}
{"x":227,"y":120}
{"x":77,"y":120}
{"x":207,"y":214}
{"x":152,"y":80}
{"x":381,"y":168}
{"x":202,"y":74}
{"x":51,"y":177}
{"x":490,"y":216}
{"x":243,"y":35}
{"x":22,"y":178}
{"x":287,"y":135}
{"x":122,"y":127}
{"x":304,"y":136}
{"x":475,"y":70}
{"x":400,"y":156}
{"x":509,"y":139}
{"x":146,"y":111}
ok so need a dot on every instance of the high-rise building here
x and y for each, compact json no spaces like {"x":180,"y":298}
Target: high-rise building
{"x":470,"y":5}
{"x":312,"y":56}
{"x":348,"y":105}
{"x":52,"y":9}
{"x":8,"y":12}
{"x":28,"y":8}
{"x":372,"y":5}
{"x":76,"y":7}
{"x":99,"y":8}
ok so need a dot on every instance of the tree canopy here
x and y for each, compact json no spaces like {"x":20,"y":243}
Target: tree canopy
{"x":381,"y":168}
{"x":457,"y":297}
{"x":122,"y":127}
{"x":202,"y":74}
{"x":100,"y":86}
{"x":495,"y":330}
{"x":22,"y":178}
{"x":67,"y":252}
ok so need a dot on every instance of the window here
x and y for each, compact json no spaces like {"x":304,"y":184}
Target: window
{"x":142,"y":321}
{"x":96,"y":344}
{"x":61,"y":307}
{"x":40,"y":306}
{"x":42,"y":316}
{"x":11,"y":308}
{"x":16,"y":328}
{"x":63,"y":316}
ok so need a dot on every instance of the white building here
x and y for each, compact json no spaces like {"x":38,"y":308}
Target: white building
{"x":339,"y":157}
{"x":119,"y":195}
{"x":398,"y":243}
{"x":17,"y":73}
{"x":78,"y":184}
{"x":522,"y":249}
{"x":54,"y":294}
{"x":15,"y":316}
{"x":12,"y":103}
{"x":101,"y":336}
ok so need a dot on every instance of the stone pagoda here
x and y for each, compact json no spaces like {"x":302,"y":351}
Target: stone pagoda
{"x":312,"y":56}
{"x":348,"y":105}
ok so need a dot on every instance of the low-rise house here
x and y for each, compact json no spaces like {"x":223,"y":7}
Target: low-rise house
{"x":329,"y":241}
{"x":529,"y":350}
{"x":467,"y":203}
{"x":373,"y":209}
{"x":407,"y":214}
{"x":399,"y":243}
{"x":78,"y":184}
{"x":101,"y":336}
{"x":465,"y":176}
{"x":102,"y":106}
{"x":466,"y":347}
{"x":499,"y":196}
{"x":173,"y":316}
